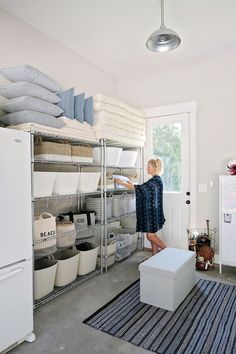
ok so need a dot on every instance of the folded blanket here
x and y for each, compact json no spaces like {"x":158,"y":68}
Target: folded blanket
{"x":108,"y":134}
{"x":104,"y":116}
{"x":117,"y":103}
{"x":120,"y":131}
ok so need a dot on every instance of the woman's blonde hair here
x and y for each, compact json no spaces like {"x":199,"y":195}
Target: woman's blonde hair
{"x":157,"y":165}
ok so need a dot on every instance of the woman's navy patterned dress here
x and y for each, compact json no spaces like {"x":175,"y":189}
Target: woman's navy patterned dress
{"x":149,"y":205}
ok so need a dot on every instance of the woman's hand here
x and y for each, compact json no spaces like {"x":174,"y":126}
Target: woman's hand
{"x":128,"y":184}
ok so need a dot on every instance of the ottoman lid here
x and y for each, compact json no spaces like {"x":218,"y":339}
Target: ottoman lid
{"x":168,"y":262}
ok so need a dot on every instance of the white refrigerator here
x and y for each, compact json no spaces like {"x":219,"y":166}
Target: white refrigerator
{"x":227,"y":221}
{"x":16,"y":271}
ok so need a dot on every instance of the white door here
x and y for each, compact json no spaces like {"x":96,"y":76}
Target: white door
{"x":15,"y":191}
{"x":16,"y":303}
{"x":169,"y":138}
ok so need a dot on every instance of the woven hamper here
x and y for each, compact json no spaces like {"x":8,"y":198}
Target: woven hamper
{"x":80,"y":153}
{"x":47,"y":150}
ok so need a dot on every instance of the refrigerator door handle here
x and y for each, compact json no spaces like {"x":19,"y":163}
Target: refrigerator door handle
{"x":11,"y":274}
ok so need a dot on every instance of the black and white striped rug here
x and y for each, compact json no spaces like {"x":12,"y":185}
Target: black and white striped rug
{"x":205,"y":322}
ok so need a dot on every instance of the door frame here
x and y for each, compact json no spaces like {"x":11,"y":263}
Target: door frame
{"x":191,"y":109}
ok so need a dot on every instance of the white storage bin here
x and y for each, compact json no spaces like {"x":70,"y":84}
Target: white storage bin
{"x":67,"y":265}
{"x":66,"y":183}
{"x":174,"y":269}
{"x":128,"y":158}
{"x":43,"y":183}
{"x":88,"y":182}
{"x":44,"y":277}
{"x":110,"y":260}
{"x":88,"y":257}
{"x":112,"y":155}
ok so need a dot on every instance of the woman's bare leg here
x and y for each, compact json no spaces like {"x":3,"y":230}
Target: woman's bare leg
{"x":153,"y":238}
{"x":155,"y":249}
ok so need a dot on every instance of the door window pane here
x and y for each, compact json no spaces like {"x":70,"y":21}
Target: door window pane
{"x":167,"y":145}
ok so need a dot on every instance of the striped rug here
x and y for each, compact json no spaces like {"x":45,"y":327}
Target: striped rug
{"x":204,"y":323}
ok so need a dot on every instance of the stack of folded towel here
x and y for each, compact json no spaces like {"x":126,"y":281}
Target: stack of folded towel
{"x":115,"y":120}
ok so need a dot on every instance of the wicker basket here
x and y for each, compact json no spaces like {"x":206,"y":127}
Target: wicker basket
{"x":80,"y":153}
{"x":60,"y":150}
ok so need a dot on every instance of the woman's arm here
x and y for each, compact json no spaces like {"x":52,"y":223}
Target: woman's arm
{"x":128,"y":184}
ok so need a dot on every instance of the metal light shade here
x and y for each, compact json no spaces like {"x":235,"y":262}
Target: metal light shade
{"x":164,"y":39}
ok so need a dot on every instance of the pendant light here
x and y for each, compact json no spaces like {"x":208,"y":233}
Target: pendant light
{"x":164,"y":39}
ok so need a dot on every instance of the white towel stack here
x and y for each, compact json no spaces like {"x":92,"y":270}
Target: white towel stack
{"x":116,"y":120}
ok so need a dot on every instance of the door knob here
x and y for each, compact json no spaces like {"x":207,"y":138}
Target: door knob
{"x":187,"y":193}
{"x":187,"y":201}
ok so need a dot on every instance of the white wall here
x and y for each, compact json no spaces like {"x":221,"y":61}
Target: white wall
{"x":210,"y":81}
{"x":22,"y":44}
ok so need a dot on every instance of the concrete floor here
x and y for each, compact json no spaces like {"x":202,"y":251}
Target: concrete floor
{"x":58,"y":324}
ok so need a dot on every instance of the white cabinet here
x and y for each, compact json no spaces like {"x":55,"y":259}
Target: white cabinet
{"x":227,"y":218}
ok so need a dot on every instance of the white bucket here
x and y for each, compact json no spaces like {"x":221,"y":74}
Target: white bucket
{"x":88,"y":258}
{"x":112,"y":155}
{"x":128,"y":158}
{"x":66,"y":183}
{"x":88,"y":182}
{"x":67,"y":265}
{"x":44,"y":277}
{"x":43,"y":183}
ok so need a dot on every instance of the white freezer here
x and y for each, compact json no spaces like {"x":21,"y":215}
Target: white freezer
{"x":16,"y":303}
{"x":15,"y":194}
{"x":227,"y":229}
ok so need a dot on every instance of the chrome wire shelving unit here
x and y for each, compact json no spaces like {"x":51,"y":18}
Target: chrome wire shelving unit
{"x":82,"y":234}
{"x":103,"y":192}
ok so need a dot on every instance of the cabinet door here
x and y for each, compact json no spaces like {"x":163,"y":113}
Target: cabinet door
{"x":228,"y":220}
{"x":15,"y":193}
{"x":16,"y":303}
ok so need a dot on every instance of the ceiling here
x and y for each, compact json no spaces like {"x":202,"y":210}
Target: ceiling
{"x":112,"y":33}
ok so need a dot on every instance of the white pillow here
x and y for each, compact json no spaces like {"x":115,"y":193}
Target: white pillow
{"x":30,"y":74}
{"x":30,"y":103}
{"x":31,"y":117}
{"x":18,"y":89}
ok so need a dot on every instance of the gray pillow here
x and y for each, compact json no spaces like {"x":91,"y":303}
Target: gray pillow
{"x":67,"y":102}
{"x":30,"y":74}
{"x":31,"y":117}
{"x":79,"y":107}
{"x":88,"y":110}
{"x":18,"y":89}
{"x":26,"y":103}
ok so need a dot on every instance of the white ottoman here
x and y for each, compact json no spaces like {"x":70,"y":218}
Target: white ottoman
{"x":167,"y":278}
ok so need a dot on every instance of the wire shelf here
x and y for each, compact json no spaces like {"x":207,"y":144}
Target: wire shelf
{"x":73,"y":163}
{"x":59,"y":291}
{"x":67,"y":195}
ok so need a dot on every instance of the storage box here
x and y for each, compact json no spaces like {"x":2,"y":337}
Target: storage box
{"x":112,"y":155}
{"x":88,"y":257}
{"x":167,"y":278}
{"x":128,"y":158}
{"x":44,"y":277}
{"x":67,"y":265}
{"x":88,"y":182}
{"x":66,"y":183}
{"x":43,"y":183}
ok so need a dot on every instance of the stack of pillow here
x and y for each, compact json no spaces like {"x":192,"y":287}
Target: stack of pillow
{"x":33,"y":97}
{"x":115,"y":120}
{"x":30,"y":97}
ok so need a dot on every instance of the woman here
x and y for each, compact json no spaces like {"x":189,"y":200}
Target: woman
{"x":149,"y":204}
